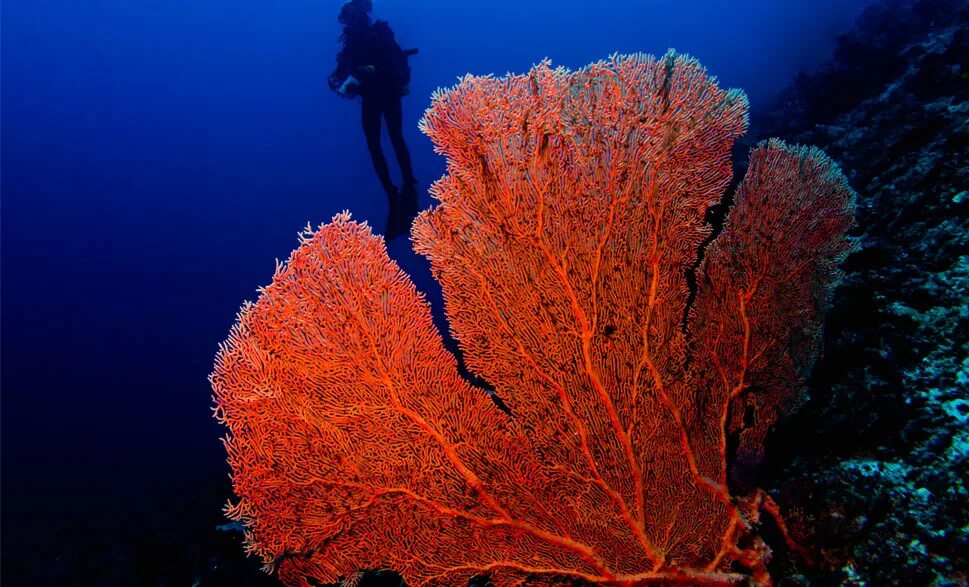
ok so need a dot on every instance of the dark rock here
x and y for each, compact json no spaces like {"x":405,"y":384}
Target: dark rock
{"x":877,"y":460}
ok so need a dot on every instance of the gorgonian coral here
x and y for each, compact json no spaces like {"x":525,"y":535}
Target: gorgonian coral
{"x":572,"y":209}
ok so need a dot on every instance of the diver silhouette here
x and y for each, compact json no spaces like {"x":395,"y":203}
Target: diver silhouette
{"x":372,"y":65}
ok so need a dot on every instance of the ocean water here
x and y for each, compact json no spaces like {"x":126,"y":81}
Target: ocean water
{"x":159,"y":155}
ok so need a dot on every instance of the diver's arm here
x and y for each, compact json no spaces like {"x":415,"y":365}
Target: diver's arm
{"x":338,"y":78}
{"x":344,"y":70}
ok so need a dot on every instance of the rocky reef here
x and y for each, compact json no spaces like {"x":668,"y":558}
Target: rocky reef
{"x":875,"y":465}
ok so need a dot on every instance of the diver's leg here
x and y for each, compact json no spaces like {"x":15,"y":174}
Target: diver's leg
{"x":370,"y":114}
{"x":392,"y":112}
{"x":404,"y":207}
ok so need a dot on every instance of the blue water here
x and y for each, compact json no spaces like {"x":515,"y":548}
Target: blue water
{"x":158,"y":155}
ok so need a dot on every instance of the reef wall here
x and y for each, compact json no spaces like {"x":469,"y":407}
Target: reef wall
{"x":876,"y":463}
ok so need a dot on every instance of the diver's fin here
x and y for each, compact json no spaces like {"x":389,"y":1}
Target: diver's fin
{"x":403,"y":210}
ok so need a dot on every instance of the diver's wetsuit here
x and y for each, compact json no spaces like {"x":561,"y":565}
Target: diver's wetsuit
{"x":371,"y":55}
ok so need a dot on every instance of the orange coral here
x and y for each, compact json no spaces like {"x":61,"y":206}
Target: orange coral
{"x":572,"y":207}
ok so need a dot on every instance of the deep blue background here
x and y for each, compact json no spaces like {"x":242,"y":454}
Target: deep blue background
{"x":158,"y":155}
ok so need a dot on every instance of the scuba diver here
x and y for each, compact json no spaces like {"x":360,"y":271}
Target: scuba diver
{"x":373,"y":66}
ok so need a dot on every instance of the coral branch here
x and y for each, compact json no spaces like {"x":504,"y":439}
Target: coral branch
{"x":764,"y":289}
{"x":572,"y":206}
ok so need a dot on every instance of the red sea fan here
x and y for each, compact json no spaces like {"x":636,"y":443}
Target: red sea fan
{"x":572,"y":206}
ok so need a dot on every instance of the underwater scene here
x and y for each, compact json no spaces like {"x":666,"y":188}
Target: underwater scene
{"x":384,"y":293}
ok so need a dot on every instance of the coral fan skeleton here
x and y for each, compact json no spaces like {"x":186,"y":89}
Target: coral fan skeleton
{"x":572,"y":207}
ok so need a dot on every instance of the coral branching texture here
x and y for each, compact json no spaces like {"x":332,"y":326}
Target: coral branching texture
{"x":571,"y":212}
